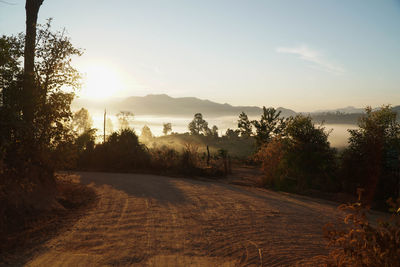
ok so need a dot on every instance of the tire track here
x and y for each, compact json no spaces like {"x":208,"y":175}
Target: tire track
{"x":146,"y":220}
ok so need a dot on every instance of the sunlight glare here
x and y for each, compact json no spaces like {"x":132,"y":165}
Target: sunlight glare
{"x":101,"y":82}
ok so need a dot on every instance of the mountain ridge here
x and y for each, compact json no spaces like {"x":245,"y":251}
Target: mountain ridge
{"x":162,"y":104}
{"x":165,"y":105}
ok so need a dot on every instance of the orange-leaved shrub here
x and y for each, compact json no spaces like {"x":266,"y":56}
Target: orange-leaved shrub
{"x":270,"y":155}
{"x":360,"y":242}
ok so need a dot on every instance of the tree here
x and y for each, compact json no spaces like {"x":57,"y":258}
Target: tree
{"x":124,"y":119}
{"x":86,"y":140}
{"x":29,"y":88}
{"x":269,"y":125}
{"x":167,"y":127}
{"x":214,"y":131}
{"x":231,"y":134}
{"x":48,"y":123}
{"x":371,"y":160}
{"x":300,"y":158}
{"x":122,"y":151}
{"x":308,"y":155}
{"x":82,"y":121}
{"x":244,"y":125}
{"x":146,"y":133}
{"x":198,"y":125}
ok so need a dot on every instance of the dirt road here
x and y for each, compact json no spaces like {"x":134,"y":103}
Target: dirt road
{"x":148,"y":220}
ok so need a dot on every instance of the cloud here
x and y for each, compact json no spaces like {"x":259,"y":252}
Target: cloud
{"x":313,"y":56}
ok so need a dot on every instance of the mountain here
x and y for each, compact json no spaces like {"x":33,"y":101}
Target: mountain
{"x":164,"y":105}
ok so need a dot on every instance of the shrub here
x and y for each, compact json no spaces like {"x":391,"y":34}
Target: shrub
{"x":270,"y":155}
{"x":121,"y":152}
{"x":301,"y":159}
{"x":164,"y":158}
{"x":372,"y":159}
{"x":361,"y":243}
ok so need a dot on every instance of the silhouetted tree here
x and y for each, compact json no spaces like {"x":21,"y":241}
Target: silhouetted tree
{"x":214,"y":131}
{"x":372,"y":157}
{"x":231,"y":134}
{"x":124,"y":119}
{"x":198,"y":125}
{"x":269,"y":125}
{"x":122,"y":151}
{"x":244,"y":125}
{"x":308,"y":155}
{"x":48,"y":124}
{"x":167,"y":127}
{"x":86,"y":140}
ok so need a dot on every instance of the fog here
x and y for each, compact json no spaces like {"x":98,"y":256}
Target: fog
{"x":338,"y":132}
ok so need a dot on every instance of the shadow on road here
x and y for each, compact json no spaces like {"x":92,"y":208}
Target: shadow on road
{"x":156,"y":187}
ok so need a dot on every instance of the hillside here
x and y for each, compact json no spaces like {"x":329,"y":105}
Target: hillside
{"x":169,"y":106}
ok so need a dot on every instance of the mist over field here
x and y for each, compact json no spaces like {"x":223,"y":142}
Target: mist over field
{"x":338,"y":137}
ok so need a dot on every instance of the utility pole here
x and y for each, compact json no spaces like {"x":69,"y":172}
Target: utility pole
{"x":104,"y":126}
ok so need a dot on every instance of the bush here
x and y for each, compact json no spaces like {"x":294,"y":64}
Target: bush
{"x":270,"y":155}
{"x":121,"y":152}
{"x":164,"y":158}
{"x":372,"y":159}
{"x":301,"y":159}
{"x":361,"y":243}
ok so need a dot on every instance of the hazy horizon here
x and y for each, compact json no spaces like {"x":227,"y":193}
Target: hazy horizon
{"x":79,"y":100}
{"x":303,"y":55}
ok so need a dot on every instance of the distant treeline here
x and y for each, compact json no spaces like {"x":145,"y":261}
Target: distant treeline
{"x":344,"y":117}
{"x":336,"y":118}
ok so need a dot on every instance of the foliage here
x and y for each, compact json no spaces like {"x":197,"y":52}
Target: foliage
{"x":244,"y":125}
{"x":81,"y":121}
{"x":121,"y":152}
{"x":146,"y":133}
{"x":214,"y":131}
{"x":360,"y":242}
{"x":269,"y":125}
{"x":190,"y":156}
{"x":198,"y":125}
{"x":124,"y":119}
{"x":309,"y":157}
{"x":86,"y":141}
{"x":167,"y":127}
{"x":164,"y":158}
{"x":371,"y":160}
{"x":231,"y":134}
{"x":189,"y":161}
{"x":51,"y":104}
{"x":299,"y":159}
{"x":240,"y":148}
{"x":270,"y":155}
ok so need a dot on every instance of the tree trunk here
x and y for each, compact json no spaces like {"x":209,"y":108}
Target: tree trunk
{"x":29,"y":89}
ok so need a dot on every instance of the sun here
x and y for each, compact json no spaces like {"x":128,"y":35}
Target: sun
{"x":100,"y":82}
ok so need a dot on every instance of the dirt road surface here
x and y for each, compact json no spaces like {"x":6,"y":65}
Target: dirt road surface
{"x":148,"y":220}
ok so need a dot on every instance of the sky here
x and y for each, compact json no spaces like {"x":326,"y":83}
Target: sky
{"x":302,"y":54}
